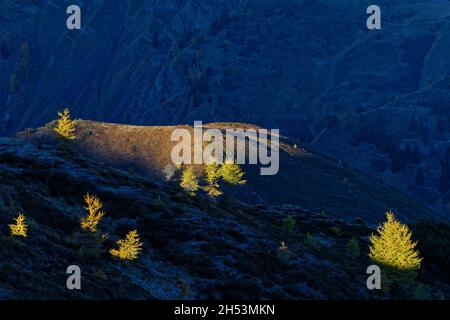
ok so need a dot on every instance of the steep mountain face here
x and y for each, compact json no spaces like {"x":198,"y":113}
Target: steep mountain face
{"x":305,"y":178}
{"x":405,"y":143}
{"x":193,"y":248}
{"x":310,"y":68}
{"x":119,"y":67}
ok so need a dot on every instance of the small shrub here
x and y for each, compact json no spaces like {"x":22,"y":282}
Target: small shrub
{"x":358,"y":220}
{"x":422,"y":292}
{"x":352,"y":249}
{"x":100,"y":274}
{"x":133,"y":149}
{"x":86,"y":134}
{"x":289,"y":223}
{"x":89,"y":245}
{"x":336,"y":231}
{"x":184,"y":288}
{"x":171,"y":173}
{"x":311,"y":241}
{"x":159,"y":204}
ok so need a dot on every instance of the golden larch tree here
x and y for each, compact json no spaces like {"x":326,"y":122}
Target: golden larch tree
{"x":232,"y":173}
{"x":129,"y":248}
{"x":393,"y":247}
{"x":65,"y":126}
{"x":212,"y":171}
{"x":189,"y":180}
{"x":20,"y":228}
{"x":93,"y":207}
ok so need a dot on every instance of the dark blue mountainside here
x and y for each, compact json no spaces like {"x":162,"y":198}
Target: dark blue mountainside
{"x":378,"y":99}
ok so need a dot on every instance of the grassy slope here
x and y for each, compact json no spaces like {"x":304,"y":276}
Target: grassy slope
{"x":306,"y":178}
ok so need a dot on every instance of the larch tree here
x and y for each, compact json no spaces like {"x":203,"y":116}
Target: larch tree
{"x":212,"y":172}
{"x":232,"y":173}
{"x":93,"y":207}
{"x":129,"y":248}
{"x":352,"y":248}
{"x":189,"y":181}
{"x":289,"y":223}
{"x":20,"y":228}
{"x":65,"y":126}
{"x":392,"y":246}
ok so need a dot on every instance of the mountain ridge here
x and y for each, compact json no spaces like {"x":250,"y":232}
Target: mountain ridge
{"x":306,"y":178}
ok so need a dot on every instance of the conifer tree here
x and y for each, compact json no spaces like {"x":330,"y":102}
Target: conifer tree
{"x":93,"y":206}
{"x":189,"y":181}
{"x":289,"y":223}
{"x":65,"y":127}
{"x":392,"y":246}
{"x":212,"y":171}
{"x":353,"y":248}
{"x":311,"y":241}
{"x":129,"y":248}
{"x":232,"y":173}
{"x":20,"y":228}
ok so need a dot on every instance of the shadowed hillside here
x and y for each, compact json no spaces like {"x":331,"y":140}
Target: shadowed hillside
{"x":193,"y":248}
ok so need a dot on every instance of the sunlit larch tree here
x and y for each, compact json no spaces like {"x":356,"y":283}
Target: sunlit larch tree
{"x":129,"y":248}
{"x":393,"y":247}
{"x":94,"y":213}
{"x":20,"y":227}
{"x":65,"y":126}
{"x":189,"y":181}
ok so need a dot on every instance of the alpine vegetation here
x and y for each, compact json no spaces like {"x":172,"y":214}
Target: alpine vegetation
{"x":93,"y":207}
{"x":129,"y":248}
{"x":392,"y":245}
{"x":20,"y":227}
{"x":65,"y":127}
